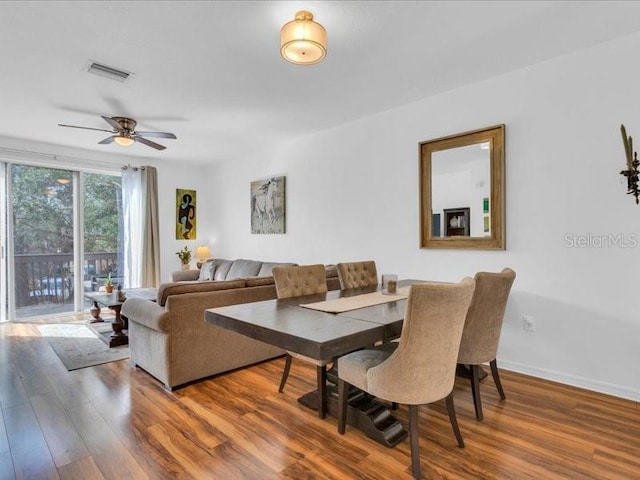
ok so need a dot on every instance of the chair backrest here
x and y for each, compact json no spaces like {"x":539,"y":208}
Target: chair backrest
{"x":483,"y":325}
{"x":357,"y":274}
{"x":422,"y":369}
{"x":299,"y":281}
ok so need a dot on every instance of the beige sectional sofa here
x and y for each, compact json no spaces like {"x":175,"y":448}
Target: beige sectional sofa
{"x":169,"y":338}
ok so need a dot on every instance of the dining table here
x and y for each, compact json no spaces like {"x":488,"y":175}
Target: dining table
{"x":324,"y":327}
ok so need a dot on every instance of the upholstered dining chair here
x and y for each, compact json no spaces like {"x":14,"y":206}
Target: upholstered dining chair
{"x":357,"y":274}
{"x":481,"y":334}
{"x":422,"y":368}
{"x":296,"y":282}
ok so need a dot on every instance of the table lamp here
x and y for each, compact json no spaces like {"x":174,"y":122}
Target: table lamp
{"x":202,"y":253}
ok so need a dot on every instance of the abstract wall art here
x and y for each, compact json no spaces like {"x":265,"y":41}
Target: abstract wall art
{"x":185,"y":214}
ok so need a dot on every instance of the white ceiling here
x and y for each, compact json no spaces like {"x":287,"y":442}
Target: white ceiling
{"x":211,"y":72}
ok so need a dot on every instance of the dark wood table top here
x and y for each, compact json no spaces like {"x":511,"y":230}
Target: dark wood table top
{"x":313,"y":333}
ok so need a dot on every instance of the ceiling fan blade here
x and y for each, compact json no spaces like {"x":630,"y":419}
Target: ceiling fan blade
{"x":107,"y":140}
{"x":85,"y":128}
{"x":156,"y":134}
{"x":112,"y":122}
{"x":149,"y":143}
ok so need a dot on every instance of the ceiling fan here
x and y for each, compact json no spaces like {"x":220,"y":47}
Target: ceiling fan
{"x":124,"y":133}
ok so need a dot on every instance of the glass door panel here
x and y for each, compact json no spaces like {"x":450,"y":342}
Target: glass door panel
{"x":3,"y":243}
{"x":102,"y":224}
{"x":41,"y":205}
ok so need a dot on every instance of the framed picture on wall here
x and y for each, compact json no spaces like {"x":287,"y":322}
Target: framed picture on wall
{"x":185,"y":214}
{"x":268,"y":205}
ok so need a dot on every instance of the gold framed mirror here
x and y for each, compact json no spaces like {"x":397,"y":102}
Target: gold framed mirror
{"x":462,"y":190}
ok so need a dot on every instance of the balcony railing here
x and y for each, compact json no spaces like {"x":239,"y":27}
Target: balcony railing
{"x":49,"y":279}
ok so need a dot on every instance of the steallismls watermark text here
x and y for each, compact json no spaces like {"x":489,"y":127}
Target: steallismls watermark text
{"x":592,"y":240}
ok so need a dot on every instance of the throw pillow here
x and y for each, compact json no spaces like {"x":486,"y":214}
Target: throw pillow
{"x":206,"y":271}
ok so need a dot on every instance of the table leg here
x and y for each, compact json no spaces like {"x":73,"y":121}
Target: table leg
{"x":364,"y":412}
{"x":117,"y":325}
{"x":322,"y":390}
{"x":95,"y":313}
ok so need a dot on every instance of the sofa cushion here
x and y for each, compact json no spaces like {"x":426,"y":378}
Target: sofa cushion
{"x":267,"y":267}
{"x":259,"y":281}
{"x":243,"y":268}
{"x":167,"y":289}
{"x":206,"y":271}
{"x":222,"y":268}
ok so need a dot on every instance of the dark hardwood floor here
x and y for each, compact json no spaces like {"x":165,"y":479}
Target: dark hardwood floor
{"x":111,"y":421}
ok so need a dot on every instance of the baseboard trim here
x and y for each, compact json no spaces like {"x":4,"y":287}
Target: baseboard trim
{"x":573,"y":380}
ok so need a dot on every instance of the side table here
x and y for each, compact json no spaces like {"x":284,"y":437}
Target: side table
{"x":118,"y":324}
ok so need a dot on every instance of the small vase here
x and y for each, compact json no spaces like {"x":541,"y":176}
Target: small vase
{"x":186,"y":266}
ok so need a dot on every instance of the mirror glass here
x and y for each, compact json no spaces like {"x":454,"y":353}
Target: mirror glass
{"x":462,"y":202}
{"x":460,"y":191}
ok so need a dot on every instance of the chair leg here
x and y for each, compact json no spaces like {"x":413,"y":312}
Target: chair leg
{"x":451,"y":410}
{"x":322,"y":390}
{"x":415,"y":444}
{"x":343,"y":394}
{"x":496,"y":378}
{"x":285,"y":373}
{"x":475,"y":391}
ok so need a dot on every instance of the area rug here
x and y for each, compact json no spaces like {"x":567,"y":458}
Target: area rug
{"x":78,"y":347}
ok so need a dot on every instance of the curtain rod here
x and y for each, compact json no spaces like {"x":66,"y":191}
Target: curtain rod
{"x":13,"y":154}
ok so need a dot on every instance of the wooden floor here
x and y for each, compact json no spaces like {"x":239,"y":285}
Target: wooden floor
{"x":111,"y":421}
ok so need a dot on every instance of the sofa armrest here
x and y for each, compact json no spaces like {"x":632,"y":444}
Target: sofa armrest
{"x":185,"y":275}
{"x":145,"y":312}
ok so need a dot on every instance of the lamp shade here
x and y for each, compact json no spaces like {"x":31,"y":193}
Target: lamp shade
{"x":202,"y":253}
{"x":123,"y":140}
{"x":303,"y":41}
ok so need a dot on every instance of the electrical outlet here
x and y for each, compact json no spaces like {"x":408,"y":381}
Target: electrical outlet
{"x":528,"y":323}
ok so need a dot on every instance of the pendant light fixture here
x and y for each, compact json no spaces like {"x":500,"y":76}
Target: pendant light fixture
{"x":303,"y":41}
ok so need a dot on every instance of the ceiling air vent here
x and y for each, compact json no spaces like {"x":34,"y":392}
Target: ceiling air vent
{"x":108,"y":72}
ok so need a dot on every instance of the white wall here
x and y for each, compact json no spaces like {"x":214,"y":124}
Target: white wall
{"x":352,"y":194}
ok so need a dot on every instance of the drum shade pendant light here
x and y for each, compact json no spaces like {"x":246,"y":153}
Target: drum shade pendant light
{"x":303,"y":41}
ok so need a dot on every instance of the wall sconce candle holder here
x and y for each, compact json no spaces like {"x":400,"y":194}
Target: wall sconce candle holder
{"x":632,"y":178}
{"x":632,"y":165}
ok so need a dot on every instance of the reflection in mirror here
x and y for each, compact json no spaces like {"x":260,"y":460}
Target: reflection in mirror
{"x":462,"y":190}
{"x":460,"y":184}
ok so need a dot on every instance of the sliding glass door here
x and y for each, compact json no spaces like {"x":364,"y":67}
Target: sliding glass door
{"x":42,"y":225}
{"x":61,"y":236}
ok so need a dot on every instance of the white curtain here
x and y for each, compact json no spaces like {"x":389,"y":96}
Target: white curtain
{"x":141,"y":233}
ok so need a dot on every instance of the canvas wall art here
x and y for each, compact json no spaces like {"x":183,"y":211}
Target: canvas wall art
{"x":268,"y":205}
{"x":185,"y":214}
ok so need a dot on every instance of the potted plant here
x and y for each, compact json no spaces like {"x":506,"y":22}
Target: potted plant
{"x":108,"y":284}
{"x":185,"y":257}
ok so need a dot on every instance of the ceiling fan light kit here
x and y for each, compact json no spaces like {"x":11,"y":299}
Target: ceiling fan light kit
{"x":303,"y":41}
{"x":123,"y":140}
{"x":124,"y":133}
